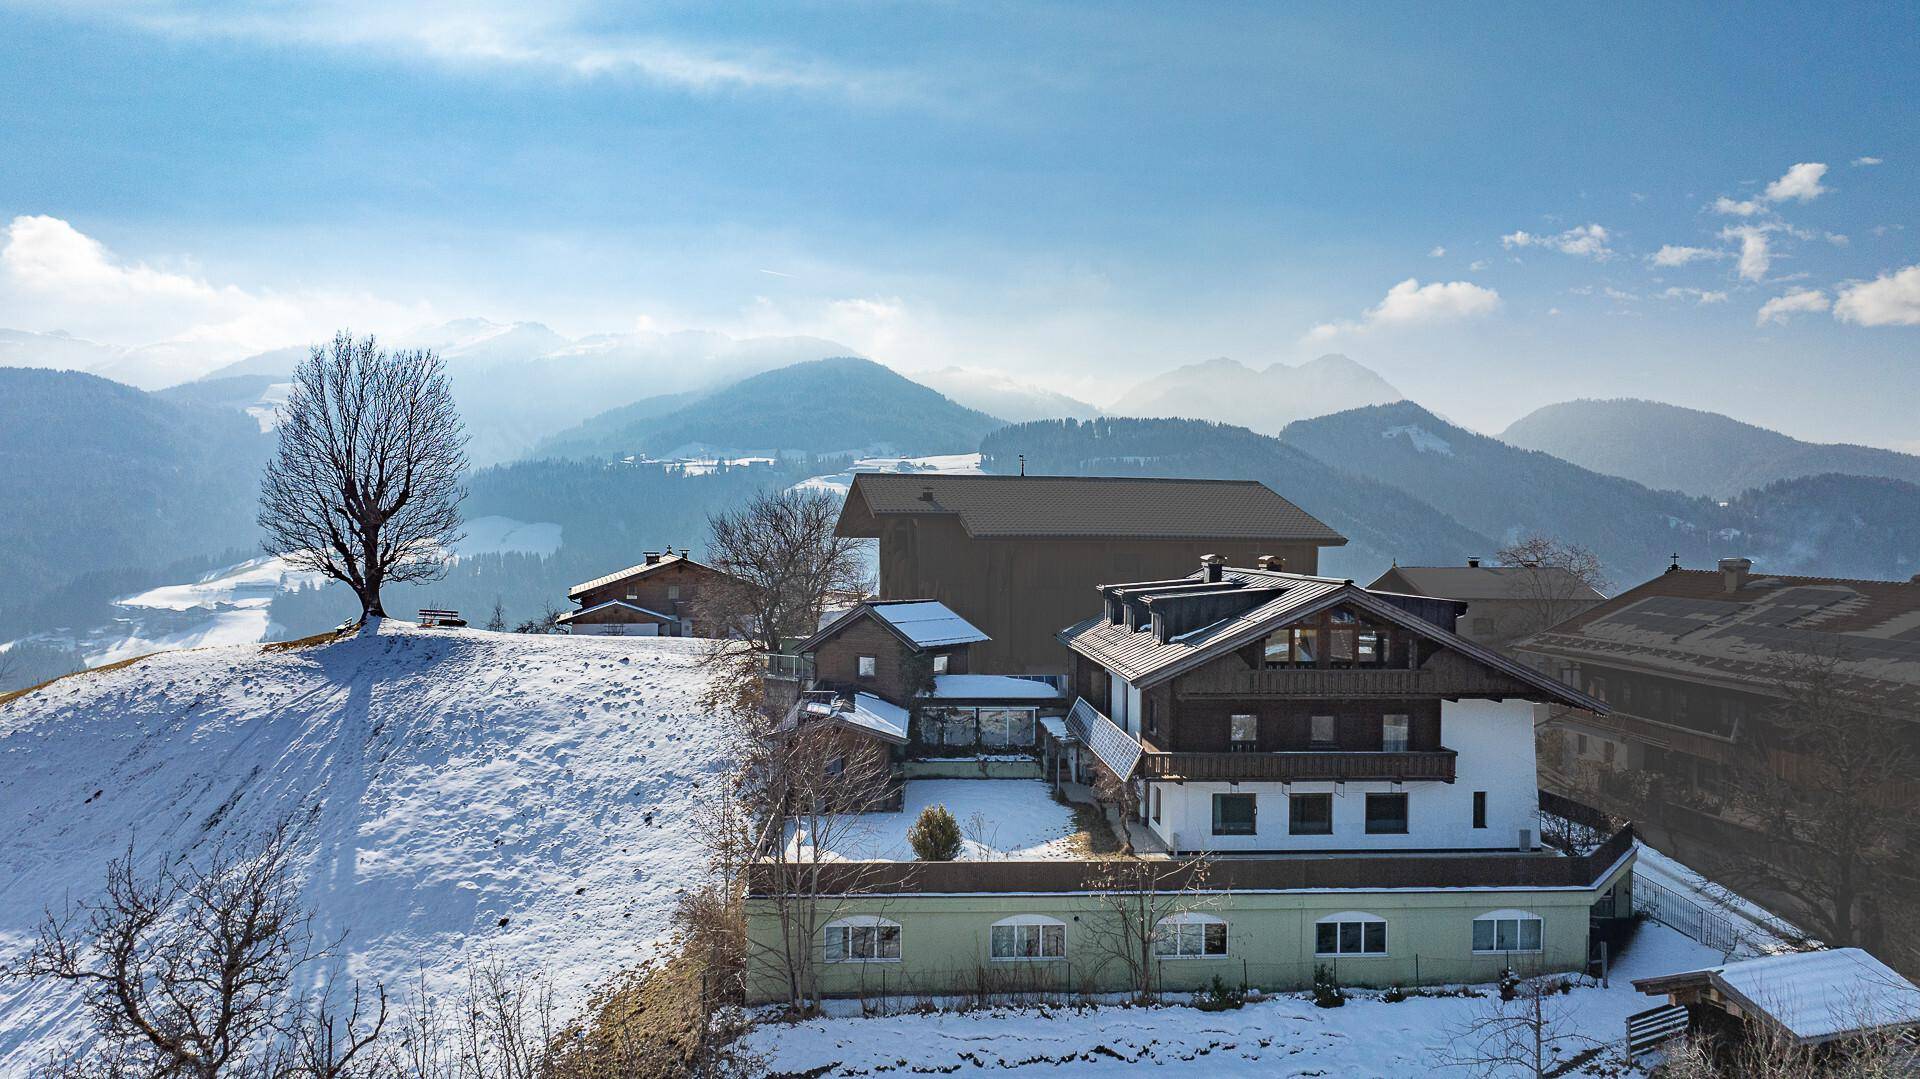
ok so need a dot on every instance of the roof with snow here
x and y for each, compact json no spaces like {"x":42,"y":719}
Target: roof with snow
{"x":634,"y":607}
{"x":1813,"y":996}
{"x":865,"y":713}
{"x":921,"y":623}
{"x":1131,"y":507}
{"x":641,"y":570}
{"x":1690,"y":624}
{"x":991,"y":687}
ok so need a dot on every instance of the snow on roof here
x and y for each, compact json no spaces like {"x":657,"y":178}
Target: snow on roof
{"x":1055,"y":726}
{"x":1815,"y":996}
{"x":994,"y":686}
{"x":929,"y":623}
{"x":571,"y":615}
{"x":880,"y":716}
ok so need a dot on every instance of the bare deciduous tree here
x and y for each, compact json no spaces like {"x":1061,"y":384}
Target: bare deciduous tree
{"x":1531,"y":1027}
{"x":785,"y":565}
{"x":1557,"y":580}
{"x":365,"y":487}
{"x":1135,"y":896}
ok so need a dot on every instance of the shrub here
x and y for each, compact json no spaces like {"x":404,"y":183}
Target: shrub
{"x":1394,"y":995}
{"x":935,"y":836}
{"x":1220,"y":997}
{"x":1509,"y":985}
{"x":1326,"y":988}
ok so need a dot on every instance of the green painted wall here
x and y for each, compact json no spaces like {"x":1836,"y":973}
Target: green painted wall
{"x":945,"y":942}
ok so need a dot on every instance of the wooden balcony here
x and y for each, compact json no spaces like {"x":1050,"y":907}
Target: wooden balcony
{"x":1312,"y":765}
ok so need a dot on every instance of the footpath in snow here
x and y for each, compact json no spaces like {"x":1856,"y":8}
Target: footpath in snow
{"x":468,"y":794}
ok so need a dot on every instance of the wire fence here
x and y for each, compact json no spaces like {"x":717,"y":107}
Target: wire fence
{"x":1670,"y":908}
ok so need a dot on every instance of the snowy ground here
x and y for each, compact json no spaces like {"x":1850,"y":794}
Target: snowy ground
{"x":839,"y":483}
{"x":1284,"y":1036}
{"x":452,"y":779}
{"x":1000,"y":818}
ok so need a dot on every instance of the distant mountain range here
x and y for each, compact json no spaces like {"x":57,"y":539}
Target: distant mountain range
{"x":1227,"y":391}
{"x":1000,"y":395}
{"x":839,"y":405}
{"x":1683,"y":449}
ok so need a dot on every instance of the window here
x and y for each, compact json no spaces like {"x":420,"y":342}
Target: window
{"x":1153,"y":721}
{"x":957,"y":727}
{"x":1029,"y":937}
{"x":1580,"y":741}
{"x":1325,"y":732}
{"x":1310,"y":814}
{"x":940,"y":664}
{"x":1372,"y":648}
{"x":868,"y":666}
{"x":1156,"y":805}
{"x":633,"y":595}
{"x":1393,"y":733}
{"x":1233,"y":814}
{"x":1244,"y":735}
{"x":1506,"y":931}
{"x":837,"y":767}
{"x":863,"y":939}
{"x":673,"y":591}
{"x":1190,"y":936}
{"x":1006,"y":726}
{"x":1350,"y":933}
{"x":1292,"y":647}
{"x":1386,"y":814}
{"x":1479,"y":809}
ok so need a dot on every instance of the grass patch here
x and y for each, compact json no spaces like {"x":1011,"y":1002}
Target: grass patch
{"x":1093,"y":833}
{"x":14,"y":695}
{"x":326,"y":637}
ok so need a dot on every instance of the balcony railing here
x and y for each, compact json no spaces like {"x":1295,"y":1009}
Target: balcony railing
{"x":1312,"y":765}
{"x":792,"y":668}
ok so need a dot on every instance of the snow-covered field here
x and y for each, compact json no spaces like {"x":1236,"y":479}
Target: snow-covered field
{"x":838,"y":483}
{"x":452,"y":779}
{"x":1284,"y":1036}
{"x":999,"y":818}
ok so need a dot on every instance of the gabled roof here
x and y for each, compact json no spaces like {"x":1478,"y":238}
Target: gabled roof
{"x":990,"y":687}
{"x":1140,"y":658}
{"x":1687,"y":624}
{"x":1814,"y":996}
{"x":1488,"y":582}
{"x":921,"y":623}
{"x":1084,"y":506}
{"x":571,"y":615}
{"x":641,"y":570}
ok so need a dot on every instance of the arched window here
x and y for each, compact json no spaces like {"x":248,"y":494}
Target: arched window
{"x":1507,"y":931}
{"x":1350,"y":932}
{"x":1029,"y":937}
{"x":1190,"y":936}
{"x":863,"y":938}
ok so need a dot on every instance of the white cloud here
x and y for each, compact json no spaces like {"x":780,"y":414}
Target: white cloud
{"x":1585,"y":241}
{"x":1680,"y":255}
{"x":1746,"y":208}
{"x":1799,"y":301}
{"x":1410,"y":303}
{"x":1699,"y":296}
{"x":1437,"y":252}
{"x":1477,"y":265}
{"x":1888,"y":300}
{"x":53,"y":276}
{"x":1860,"y":162}
{"x":1756,"y":250}
{"x":1801,"y":183}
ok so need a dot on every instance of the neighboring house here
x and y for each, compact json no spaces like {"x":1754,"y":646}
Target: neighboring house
{"x":1504,"y":603}
{"x":1694,"y":666}
{"x":1018,"y":555}
{"x":657,"y":598}
{"x":1332,"y":779}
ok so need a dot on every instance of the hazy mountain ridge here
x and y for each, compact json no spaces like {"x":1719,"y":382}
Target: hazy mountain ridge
{"x":1001,"y":395}
{"x":1227,"y":391}
{"x":1669,"y":447}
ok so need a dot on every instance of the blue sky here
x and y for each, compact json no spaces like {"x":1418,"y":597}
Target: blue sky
{"x":1077,"y":195}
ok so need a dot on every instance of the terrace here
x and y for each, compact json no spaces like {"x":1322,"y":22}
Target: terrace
{"x":1000,"y":820}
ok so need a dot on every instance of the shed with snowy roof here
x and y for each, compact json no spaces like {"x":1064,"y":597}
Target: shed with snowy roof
{"x":1808,"y":997}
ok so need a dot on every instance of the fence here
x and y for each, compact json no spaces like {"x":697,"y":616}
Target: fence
{"x":1670,"y":908}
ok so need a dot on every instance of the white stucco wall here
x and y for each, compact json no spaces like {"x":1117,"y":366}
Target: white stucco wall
{"x":1494,"y":740}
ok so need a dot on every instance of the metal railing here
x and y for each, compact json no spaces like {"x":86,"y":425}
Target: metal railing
{"x":1670,"y":908}
{"x":1286,"y":766}
{"x":781,"y":665}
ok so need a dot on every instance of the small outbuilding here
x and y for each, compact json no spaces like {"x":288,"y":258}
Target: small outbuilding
{"x":1808,"y":997}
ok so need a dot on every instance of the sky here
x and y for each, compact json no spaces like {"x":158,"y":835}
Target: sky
{"x":1496,"y":207}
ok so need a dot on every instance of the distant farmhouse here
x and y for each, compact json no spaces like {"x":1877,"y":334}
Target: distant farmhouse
{"x":1504,"y":603}
{"x":1018,"y":556}
{"x":1320,"y":777}
{"x":657,"y":598}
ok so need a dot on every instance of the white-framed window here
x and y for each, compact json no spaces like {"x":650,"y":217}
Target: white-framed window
{"x":940,"y":663}
{"x":1190,"y":936}
{"x":673,"y":591}
{"x":1394,"y":732}
{"x":1507,"y":931}
{"x":1029,"y":938}
{"x":868,"y":666}
{"x":1350,"y":932}
{"x":1243,"y":734}
{"x":863,"y":938}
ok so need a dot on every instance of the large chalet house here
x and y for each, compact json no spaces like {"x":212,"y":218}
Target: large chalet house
{"x":1695,"y":668}
{"x":1315,"y":776}
{"x":1018,"y":555}
{"x":659,"y":597}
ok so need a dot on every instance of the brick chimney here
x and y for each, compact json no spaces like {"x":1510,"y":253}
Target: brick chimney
{"x":1733,"y":573}
{"x":653,"y":558}
{"x":1213,"y":566}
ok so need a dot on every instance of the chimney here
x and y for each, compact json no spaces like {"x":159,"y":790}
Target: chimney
{"x":926,"y":494}
{"x":1733,"y":573}
{"x":653,"y":558}
{"x":1273,"y":563}
{"x":1213,"y":566}
{"x":1023,"y":464}
{"x":1473,"y":563}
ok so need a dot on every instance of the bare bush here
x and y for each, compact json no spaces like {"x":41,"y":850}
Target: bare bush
{"x":1531,"y":1027}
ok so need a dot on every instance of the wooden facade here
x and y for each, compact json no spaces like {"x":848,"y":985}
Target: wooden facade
{"x":660,"y":595}
{"x":901,"y":671}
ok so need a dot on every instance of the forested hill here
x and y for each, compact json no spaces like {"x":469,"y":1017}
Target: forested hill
{"x":822,"y":406}
{"x":1683,"y":449}
{"x":1380,"y":522}
{"x":96,"y":476}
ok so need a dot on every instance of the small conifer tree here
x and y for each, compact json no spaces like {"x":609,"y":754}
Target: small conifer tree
{"x":935,"y":836}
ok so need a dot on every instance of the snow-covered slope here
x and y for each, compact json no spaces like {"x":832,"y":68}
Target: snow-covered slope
{"x":450,"y":779}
